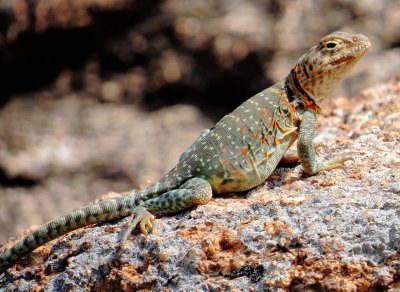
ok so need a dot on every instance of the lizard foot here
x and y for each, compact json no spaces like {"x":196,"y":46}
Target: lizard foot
{"x":333,"y":163}
{"x":139,"y":216}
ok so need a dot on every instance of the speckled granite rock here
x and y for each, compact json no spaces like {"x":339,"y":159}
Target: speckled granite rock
{"x":338,"y":230}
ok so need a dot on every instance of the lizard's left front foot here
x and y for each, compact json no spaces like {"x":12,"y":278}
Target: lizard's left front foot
{"x":139,"y":216}
{"x":330,"y":164}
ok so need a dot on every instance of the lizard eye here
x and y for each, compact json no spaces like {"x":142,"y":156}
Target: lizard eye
{"x":330,"y":45}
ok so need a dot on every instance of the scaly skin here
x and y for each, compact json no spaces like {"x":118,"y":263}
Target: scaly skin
{"x":239,"y":153}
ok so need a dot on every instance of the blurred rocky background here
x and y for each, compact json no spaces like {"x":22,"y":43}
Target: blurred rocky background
{"x":100,"y":95}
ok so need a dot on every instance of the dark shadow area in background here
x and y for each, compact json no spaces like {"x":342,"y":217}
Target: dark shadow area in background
{"x":225,"y":89}
{"x":19,"y":181}
{"x":35,"y":60}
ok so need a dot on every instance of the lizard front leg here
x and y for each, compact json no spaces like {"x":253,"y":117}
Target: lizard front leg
{"x":292,"y":156}
{"x":306,"y":151}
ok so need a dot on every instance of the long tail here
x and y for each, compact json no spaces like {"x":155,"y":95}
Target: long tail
{"x":99,"y":212}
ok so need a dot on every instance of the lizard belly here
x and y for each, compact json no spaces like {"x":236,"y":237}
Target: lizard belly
{"x":232,"y":184}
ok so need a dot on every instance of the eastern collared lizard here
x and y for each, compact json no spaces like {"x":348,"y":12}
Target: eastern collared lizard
{"x":239,"y":153}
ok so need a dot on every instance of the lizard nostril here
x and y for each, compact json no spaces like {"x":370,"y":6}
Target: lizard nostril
{"x":355,"y":39}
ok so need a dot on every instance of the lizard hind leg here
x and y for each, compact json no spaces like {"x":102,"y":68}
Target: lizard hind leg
{"x":194,"y":191}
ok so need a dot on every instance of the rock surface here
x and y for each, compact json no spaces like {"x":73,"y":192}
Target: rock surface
{"x":338,"y":230}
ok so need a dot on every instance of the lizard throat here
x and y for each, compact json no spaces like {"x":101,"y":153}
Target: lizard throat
{"x":297,"y":93}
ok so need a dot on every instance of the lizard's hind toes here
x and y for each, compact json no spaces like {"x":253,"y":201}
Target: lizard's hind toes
{"x":139,"y":216}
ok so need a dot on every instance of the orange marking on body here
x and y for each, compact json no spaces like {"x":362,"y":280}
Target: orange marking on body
{"x":238,"y":173}
{"x":292,"y":108}
{"x":266,"y":154}
{"x":277,"y":141}
{"x":244,"y":151}
{"x":225,"y":149}
{"x":274,"y":124}
{"x":243,"y":130}
{"x":252,"y":162}
{"x":264,"y":111}
{"x":263,"y":140}
{"x":313,"y":72}
{"x":255,"y":135}
{"x":299,"y":77}
{"x":285,"y":130}
{"x":309,"y":104}
{"x":224,"y":162}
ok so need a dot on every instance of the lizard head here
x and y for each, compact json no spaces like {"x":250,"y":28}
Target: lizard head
{"x":321,"y":69}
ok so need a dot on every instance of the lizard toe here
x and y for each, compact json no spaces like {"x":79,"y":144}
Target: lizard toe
{"x":146,"y":224}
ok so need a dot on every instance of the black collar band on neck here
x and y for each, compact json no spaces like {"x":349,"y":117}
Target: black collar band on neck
{"x":297,"y":87}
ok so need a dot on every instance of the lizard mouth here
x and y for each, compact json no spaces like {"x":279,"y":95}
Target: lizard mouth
{"x":343,"y":60}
